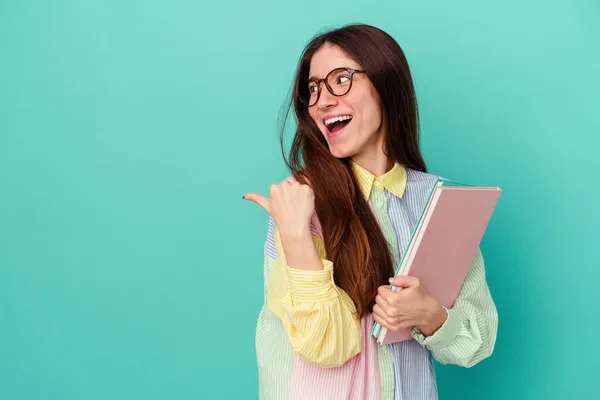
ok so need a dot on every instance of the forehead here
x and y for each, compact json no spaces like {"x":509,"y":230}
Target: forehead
{"x":327,"y":58}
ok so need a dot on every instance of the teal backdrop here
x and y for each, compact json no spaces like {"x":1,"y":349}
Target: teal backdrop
{"x":130,"y":267}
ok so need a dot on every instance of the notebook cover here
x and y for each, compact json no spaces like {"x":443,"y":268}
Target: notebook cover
{"x":449,"y":241}
{"x":376,"y":326}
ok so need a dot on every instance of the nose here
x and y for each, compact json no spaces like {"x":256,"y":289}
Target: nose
{"x":326,"y":99}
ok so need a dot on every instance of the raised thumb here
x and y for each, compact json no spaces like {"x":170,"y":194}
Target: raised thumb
{"x":262,"y":201}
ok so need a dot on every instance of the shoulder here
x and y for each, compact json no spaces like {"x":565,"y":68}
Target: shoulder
{"x":290,"y":178}
{"x":414,"y":177}
{"x":419,"y":185}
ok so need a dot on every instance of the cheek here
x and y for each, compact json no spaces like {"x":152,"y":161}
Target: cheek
{"x":370,"y":118}
{"x":312,"y":111}
{"x":377,"y":120}
{"x":366,"y":103}
{"x":373,"y":113}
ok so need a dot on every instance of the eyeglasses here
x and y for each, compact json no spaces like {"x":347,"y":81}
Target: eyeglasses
{"x":338,"y":83}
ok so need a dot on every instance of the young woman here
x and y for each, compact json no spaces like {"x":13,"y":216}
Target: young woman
{"x":337,"y":229}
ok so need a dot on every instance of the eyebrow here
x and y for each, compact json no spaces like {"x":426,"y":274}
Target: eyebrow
{"x":315,"y":78}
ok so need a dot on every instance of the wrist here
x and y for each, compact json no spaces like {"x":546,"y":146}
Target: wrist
{"x":300,"y":251}
{"x":295,"y":234}
{"x":436,"y":316}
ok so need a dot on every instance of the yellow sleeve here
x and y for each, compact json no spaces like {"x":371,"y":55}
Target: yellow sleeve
{"x":319,"y":317}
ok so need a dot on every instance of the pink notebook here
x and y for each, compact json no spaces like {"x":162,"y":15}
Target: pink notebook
{"x":444,"y":244}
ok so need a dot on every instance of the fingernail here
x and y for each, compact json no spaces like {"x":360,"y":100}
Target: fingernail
{"x":391,"y":280}
{"x":244,"y":197}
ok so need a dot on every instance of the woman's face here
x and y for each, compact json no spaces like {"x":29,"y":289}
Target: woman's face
{"x":363,"y":134}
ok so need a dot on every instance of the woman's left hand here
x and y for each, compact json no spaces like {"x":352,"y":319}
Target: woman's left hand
{"x":409,"y":307}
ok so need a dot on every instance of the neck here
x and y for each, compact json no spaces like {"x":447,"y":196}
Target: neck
{"x":376,"y":162}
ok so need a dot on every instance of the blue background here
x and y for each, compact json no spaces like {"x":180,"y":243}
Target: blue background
{"x":130,"y":268}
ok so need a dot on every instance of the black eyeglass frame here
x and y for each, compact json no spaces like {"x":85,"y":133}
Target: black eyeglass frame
{"x":350,"y":71}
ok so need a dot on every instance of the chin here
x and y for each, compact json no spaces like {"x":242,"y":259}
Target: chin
{"x":339,"y":152}
{"x":339,"y":148}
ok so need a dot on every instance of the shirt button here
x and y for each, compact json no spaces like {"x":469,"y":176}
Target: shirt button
{"x":376,"y":183}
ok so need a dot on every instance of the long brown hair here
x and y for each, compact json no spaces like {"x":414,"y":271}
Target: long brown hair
{"x":353,"y":239}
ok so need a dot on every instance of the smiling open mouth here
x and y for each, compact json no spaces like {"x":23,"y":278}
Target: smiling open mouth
{"x":336,"y":124}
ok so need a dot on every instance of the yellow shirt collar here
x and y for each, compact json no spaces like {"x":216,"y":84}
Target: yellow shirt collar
{"x":394,"y":180}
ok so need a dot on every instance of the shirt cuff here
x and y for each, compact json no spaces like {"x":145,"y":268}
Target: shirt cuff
{"x":311,"y":285}
{"x":445,"y":333}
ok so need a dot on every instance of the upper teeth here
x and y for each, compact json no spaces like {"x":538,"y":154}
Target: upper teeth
{"x":336,"y":119}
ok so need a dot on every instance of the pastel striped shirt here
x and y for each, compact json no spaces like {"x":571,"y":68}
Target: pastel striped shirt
{"x":309,"y":341}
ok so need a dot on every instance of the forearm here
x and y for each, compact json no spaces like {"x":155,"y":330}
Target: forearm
{"x":315,"y":313}
{"x":300,"y":251}
{"x":468,"y":334}
{"x":467,"y":337}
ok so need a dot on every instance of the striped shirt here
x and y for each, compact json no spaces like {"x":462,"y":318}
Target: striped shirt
{"x":309,"y":341}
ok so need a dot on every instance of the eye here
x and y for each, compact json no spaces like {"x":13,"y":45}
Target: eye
{"x":313,"y":88}
{"x":339,"y":77}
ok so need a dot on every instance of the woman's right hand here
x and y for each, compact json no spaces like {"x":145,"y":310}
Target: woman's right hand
{"x":291,"y":205}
